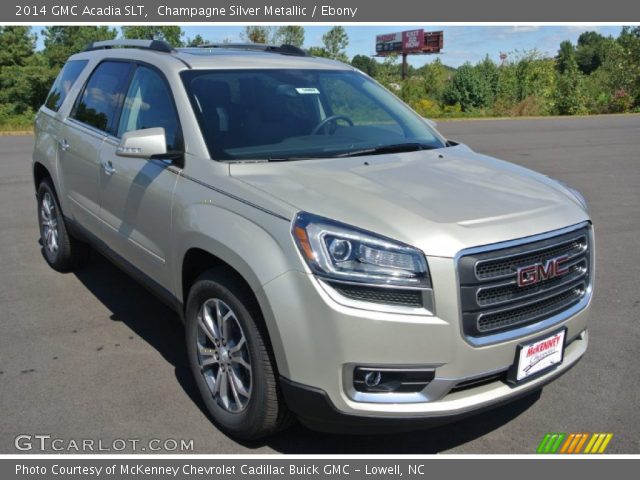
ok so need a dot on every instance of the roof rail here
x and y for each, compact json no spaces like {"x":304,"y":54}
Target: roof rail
{"x":284,"y":49}
{"x":156,"y":45}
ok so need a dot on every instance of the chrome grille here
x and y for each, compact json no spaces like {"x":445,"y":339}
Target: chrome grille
{"x":493,"y":302}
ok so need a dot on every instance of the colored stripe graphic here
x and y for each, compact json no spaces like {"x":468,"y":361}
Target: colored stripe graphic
{"x":574,"y":442}
{"x":551,"y":442}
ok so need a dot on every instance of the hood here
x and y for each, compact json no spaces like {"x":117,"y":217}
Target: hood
{"x":438,"y":200}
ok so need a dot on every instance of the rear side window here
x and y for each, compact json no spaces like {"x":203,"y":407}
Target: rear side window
{"x":65,"y":80}
{"x":103,"y":95}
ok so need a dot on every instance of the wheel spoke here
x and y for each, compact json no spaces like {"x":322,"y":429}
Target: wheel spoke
{"x":46,"y":204}
{"x":207,"y":324}
{"x":209,"y":362}
{"x":236,"y":348}
{"x":240,"y":388}
{"x":217,"y":382}
{"x":54,"y":240}
{"x":234,"y":390}
{"x":241,"y":361}
{"x":49,"y":238}
{"x":223,"y":378}
{"x":222,"y":320}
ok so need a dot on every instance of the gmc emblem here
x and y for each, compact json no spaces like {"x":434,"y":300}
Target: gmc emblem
{"x":532,"y":274}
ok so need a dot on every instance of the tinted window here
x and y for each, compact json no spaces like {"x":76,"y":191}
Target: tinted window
{"x":290,"y":114}
{"x":65,"y":80}
{"x":103,"y":95}
{"x":149,"y":104}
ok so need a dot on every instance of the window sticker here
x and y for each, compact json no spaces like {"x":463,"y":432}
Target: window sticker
{"x":308,"y":91}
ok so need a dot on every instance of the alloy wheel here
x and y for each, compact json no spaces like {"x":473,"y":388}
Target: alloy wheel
{"x":223,"y":355}
{"x":49,"y":222}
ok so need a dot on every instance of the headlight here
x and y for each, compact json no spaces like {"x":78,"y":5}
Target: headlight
{"x":340,"y":252}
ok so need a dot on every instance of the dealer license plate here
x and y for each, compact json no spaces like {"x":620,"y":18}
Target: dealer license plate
{"x":536,"y":358}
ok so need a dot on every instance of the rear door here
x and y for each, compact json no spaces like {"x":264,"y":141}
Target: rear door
{"x":90,"y":122}
{"x":136,"y":193}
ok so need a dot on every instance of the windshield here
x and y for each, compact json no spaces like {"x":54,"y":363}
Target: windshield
{"x":295,"y":114}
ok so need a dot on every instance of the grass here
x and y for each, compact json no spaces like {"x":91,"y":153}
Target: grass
{"x":16,"y":125}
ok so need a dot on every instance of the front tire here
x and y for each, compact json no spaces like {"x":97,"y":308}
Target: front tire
{"x":230,"y":358}
{"x":61,"y":251}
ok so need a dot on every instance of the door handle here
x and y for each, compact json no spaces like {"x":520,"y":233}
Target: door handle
{"x":108,"y":168}
{"x":64,"y":145}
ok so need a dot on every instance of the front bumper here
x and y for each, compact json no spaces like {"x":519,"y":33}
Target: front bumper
{"x":319,"y":341}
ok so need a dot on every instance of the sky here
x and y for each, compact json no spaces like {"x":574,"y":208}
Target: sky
{"x":461,"y":43}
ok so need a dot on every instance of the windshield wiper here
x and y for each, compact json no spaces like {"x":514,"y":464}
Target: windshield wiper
{"x":382,"y":149}
{"x":286,"y":159}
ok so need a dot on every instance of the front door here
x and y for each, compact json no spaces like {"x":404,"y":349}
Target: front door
{"x":136,"y":194}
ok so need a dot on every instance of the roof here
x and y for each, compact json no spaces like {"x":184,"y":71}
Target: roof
{"x":221,"y":57}
{"x":215,"y":56}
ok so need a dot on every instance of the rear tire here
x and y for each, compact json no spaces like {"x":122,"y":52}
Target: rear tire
{"x":61,"y":251}
{"x":231,"y":360}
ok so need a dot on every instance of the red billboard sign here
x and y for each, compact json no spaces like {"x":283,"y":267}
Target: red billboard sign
{"x":412,"y":40}
{"x":409,"y":41}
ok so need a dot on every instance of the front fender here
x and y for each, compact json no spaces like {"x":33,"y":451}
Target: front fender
{"x":250,"y":249}
{"x":257,"y":254}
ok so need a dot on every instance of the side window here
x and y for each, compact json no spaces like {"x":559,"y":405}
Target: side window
{"x":102,"y":96}
{"x":65,"y":80}
{"x":149,"y":104}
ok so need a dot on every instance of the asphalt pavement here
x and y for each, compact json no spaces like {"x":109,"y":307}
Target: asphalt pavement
{"x":92,"y":356}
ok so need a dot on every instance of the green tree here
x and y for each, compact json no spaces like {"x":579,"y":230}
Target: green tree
{"x":590,"y":51}
{"x":257,"y":34}
{"x":435,"y":77}
{"x":566,"y":56}
{"x":467,"y":89}
{"x":318,"y":52}
{"x":335,"y":42}
{"x":16,"y":45}
{"x":389,"y":71}
{"x":569,"y":99}
{"x":289,"y":35}
{"x":367,"y":64}
{"x":23,"y":88}
{"x":535,"y":76}
{"x":196,"y":41}
{"x":25,"y":76}
{"x":60,"y":42}
{"x":171,"y":34}
{"x":488,"y":72}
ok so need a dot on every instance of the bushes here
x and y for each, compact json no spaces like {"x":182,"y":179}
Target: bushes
{"x":600,"y":75}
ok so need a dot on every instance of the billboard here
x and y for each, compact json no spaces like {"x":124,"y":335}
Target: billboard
{"x":409,"y":41}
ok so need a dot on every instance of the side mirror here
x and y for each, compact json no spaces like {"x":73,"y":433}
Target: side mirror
{"x":431,"y":123}
{"x":145,"y":143}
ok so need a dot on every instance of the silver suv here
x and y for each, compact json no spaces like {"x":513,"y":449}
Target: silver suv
{"x":333,"y":257}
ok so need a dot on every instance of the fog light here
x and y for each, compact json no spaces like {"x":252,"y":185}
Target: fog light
{"x":391,"y":379}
